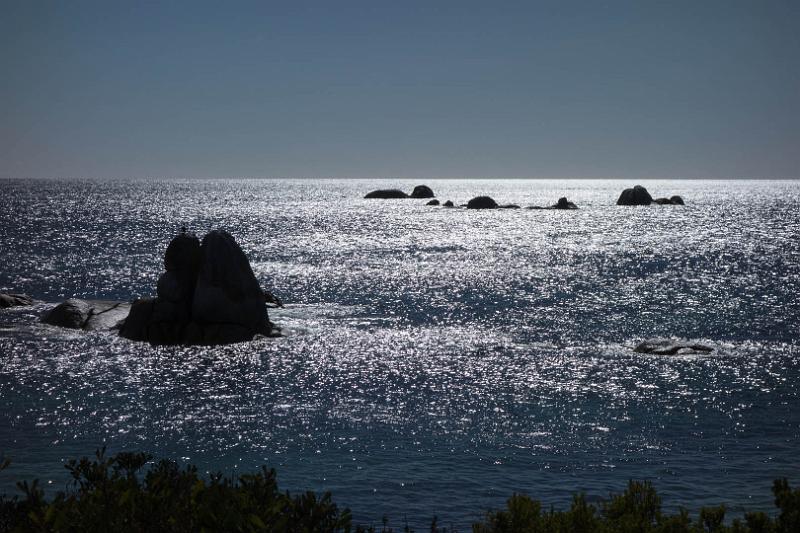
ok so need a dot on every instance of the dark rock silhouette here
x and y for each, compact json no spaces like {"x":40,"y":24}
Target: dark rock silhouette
{"x":482,"y":202}
{"x":209,"y":295}
{"x":433,"y":202}
{"x":89,"y":315}
{"x":448,"y":203}
{"x":14,"y":300}
{"x":563,"y":203}
{"x":422,"y":191}
{"x":671,"y":347}
{"x":674,"y":200}
{"x":227,"y":291}
{"x":386,"y":194}
{"x":638,"y":195}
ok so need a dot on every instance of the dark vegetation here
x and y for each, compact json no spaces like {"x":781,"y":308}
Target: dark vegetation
{"x":118,"y":494}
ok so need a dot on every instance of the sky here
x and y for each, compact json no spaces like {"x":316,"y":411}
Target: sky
{"x":678,"y":89}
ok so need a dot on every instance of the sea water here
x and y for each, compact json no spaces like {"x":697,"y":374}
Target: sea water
{"x":435,"y":360}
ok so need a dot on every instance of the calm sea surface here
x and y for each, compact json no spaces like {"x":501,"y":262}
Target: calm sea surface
{"x":435,"y":360}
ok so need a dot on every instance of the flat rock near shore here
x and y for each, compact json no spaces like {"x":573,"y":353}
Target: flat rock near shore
{"x":88,"y":315}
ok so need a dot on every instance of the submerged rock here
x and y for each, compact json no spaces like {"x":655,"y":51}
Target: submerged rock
{"x":433,"y":202}
{"x":637,"y":195}
{"x":508,"y":206}
{"x":422,"y":191}
{"x":14,"y":300}
{"x":386,"y":194}
{"x":482,"y":202}
{"x":448,"y":203}
{"x":671,"y":347}
{"x":89,"y":315}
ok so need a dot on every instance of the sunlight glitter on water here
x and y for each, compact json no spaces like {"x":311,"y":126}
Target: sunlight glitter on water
{"x":441,"y":359}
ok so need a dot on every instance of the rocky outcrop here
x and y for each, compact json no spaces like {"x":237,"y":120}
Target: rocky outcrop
{"x":637,"y":195}
{"x":482,"y":202}
{"x":673,"y":200}
{"x":14,"y":300}
{"x":671,"y":347}
{"x":563,"y":203}
{"x":448,"y":203}
{"x":433,"y":202}
{"x":88,"y":315}
{"x":422,"y":191}
{"x":208,"y":295}
{"x":386,"y":194}
{"x":227,"y":291}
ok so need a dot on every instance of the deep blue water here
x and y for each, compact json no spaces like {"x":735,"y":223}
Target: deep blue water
{"x":435,"y":360}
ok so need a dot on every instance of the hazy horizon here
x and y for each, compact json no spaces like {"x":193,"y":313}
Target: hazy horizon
{"x":466,"y":90}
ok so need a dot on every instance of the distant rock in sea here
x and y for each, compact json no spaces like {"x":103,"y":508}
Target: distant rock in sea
{"x":671,"y":347}
{"x":386,"y":194}
{"x":448,"y":203}
{"x":433,"y":202}
{"x":674,"y":200}
{"x":562,"y":203}
{"x":637,"y":195}
{"x":14,"y":300}
{"x":422,"y":191}
{"x":482,"y":202}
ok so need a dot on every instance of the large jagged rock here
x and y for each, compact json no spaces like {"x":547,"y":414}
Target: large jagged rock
{"x":671,"y":347}
{"x":637,"y":195}
{"x":14,"y":300}
{"x":422,"y":191}
{"x":227,"y":291}
{"x":208,"y":295}
{"x":88,"y":315}
{"x":386,"y":194}
{"x":482,"y":202}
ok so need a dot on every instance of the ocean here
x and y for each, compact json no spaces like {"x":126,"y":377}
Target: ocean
{"x":435,"y":360}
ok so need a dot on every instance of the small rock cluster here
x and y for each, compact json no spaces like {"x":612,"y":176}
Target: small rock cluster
{"x":638,"y":195}
{"x":420,"y":191}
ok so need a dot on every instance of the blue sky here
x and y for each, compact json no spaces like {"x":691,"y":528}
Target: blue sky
{"x":400,"y":89}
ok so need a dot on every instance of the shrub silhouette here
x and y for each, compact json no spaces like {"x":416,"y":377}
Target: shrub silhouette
{"x":117,"y":494}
